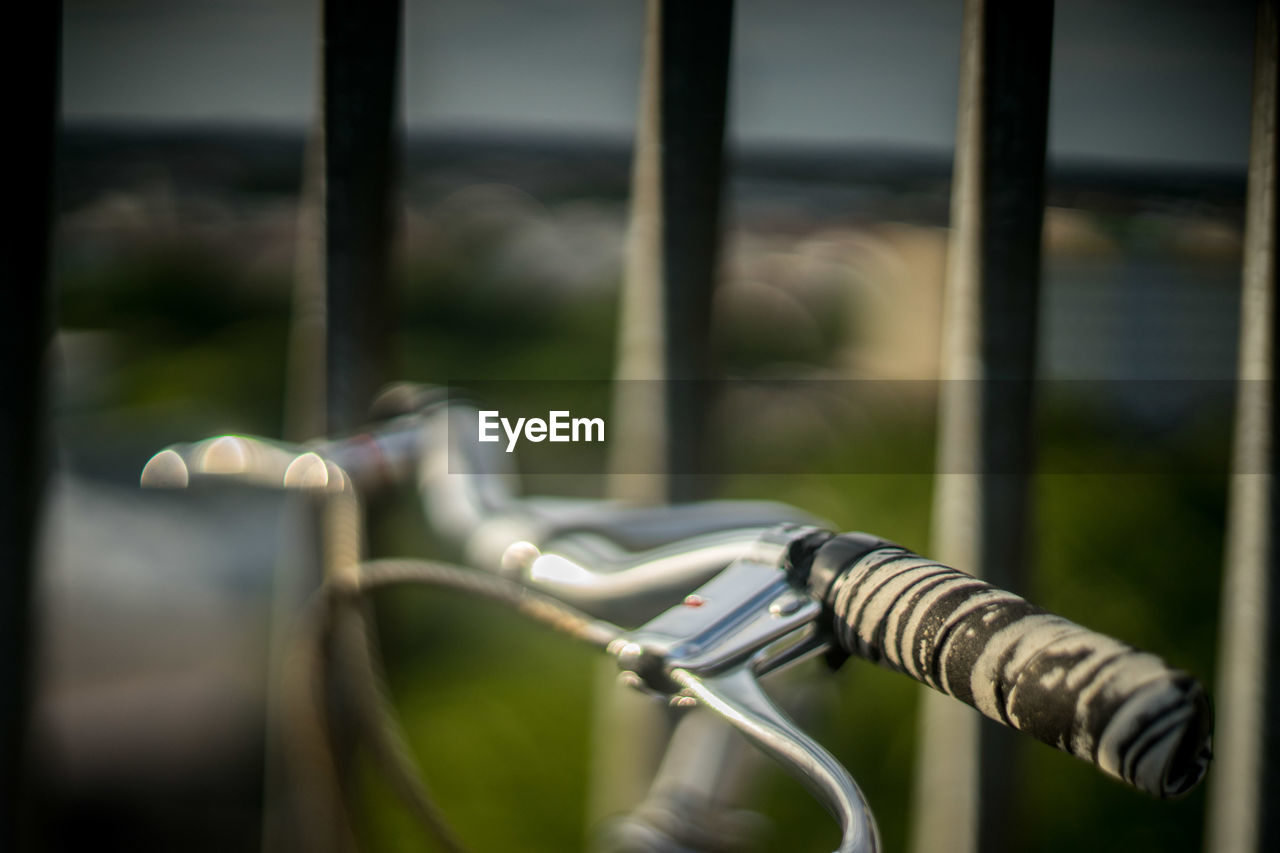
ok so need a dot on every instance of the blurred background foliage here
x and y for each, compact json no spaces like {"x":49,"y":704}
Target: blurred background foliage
{"x":174,"y":270}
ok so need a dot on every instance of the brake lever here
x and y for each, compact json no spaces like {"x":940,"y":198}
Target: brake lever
{"x":712,"y":649}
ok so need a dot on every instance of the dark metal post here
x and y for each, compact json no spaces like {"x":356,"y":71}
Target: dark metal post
{"x":664,"y":361}
{"x":340,"y":353}
{"x":360,"y":67}
{"x":674,"y":246}
{"x":1246,"y":781}
{"x":25,"y":334}
{"x":985,"y":421}
{"x":694,"y":86}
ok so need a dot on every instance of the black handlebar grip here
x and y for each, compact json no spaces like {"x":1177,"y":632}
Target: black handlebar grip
{"x":1119,"y":708}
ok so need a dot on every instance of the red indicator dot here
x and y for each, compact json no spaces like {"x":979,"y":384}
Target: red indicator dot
{"x":694,"y":601}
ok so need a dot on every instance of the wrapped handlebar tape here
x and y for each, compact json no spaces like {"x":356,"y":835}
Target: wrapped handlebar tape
{"x":1122,"y":709}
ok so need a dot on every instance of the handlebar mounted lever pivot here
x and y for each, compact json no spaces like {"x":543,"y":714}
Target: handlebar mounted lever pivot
{"x":751,"y":619}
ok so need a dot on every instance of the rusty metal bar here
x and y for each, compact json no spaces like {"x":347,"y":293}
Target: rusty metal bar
{"x":32,"y":119}
{"x":985,"y":446}
{"x":360,"y":58}
{"x":1246,"y":787}
{"x":305,"y":381}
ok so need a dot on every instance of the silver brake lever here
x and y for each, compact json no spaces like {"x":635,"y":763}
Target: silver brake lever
{"x":736,"y":696}
{"x":711,"y":650}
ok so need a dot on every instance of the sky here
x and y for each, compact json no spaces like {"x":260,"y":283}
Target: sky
{"x":1134,"y":81}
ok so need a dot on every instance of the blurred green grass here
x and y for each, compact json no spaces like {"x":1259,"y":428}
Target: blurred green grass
{"x":497,"y":716}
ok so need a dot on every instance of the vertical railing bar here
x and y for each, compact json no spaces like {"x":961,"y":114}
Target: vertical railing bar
{"x":305,"y":411}
{"x":674,"y":242}
{"x":360,"y":57}
{"x":694,"y":80}
{"x":664,"y":358}
{"x":985,"y":441}
{"x":1246,"y":780}
{"x":639,"y":446}
{"x":339,"y":355}
{"x":32,"y":121}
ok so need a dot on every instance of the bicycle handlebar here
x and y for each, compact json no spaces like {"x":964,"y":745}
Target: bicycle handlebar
{"x":1121,"y":709}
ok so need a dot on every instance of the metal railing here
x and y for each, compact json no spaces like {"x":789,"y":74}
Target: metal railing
{"x":1246,"y":784}
{"x":26,"y":332}
{"x":992,"y":298}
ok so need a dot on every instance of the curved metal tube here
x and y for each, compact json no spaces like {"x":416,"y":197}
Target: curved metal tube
{"x":738,"y":698}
